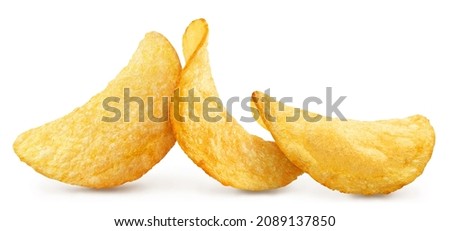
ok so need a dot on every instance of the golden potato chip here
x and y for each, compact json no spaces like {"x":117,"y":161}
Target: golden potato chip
{"x":222,"y":148}
{"x":83,"y":148}
{"x":359,"y":157}
{"x":255,"y":114}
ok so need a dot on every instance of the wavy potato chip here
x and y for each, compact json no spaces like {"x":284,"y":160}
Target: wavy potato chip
{"x":82,"y":149}
{"x":224,"y":150}
{"x":358,"y":157}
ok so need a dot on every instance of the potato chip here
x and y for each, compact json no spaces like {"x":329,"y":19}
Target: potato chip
{"x":223,"y":149}
{"x":83,"y":149}
{"x":255,"y":114}
{"x":358,"y":157}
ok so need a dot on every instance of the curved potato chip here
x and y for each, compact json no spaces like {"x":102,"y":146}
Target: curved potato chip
{"x":223,"y":149}
{"x":359,"y":157}
{"x":255,"y":114}
{"x":83,"y":149}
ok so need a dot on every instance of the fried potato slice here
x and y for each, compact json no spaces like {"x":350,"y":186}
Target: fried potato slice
{"x":81,"y":149}
{"x":224,"y":150}
{"x":358,"y":157}
{"x":255,"y":114}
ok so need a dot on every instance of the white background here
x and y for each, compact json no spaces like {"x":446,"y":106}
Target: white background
{"x":390,"y":58}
